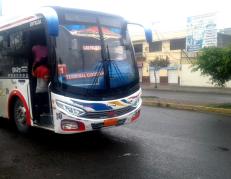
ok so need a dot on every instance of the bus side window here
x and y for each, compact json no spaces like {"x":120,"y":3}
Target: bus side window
{"x":16,"y":40}
{"x":1,"y":42}
{"x":1,"y":50}
{"x":7,"y":41}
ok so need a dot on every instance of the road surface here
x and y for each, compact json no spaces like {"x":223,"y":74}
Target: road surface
{"x":189,"y":97}
{"x":164,"y":143}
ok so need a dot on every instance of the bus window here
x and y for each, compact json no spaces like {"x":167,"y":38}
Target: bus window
{"x":1,"y":41}
{"x":16,"y":40}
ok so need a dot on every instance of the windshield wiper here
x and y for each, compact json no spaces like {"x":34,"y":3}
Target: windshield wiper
{"x":102,"y":65}
{"x":105,"y":64}
{"x":117,"y":70}
{"x":104,"y":57}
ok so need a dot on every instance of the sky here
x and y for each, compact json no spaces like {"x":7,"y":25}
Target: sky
{"x":165,"y":15}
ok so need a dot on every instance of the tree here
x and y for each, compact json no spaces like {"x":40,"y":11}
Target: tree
{"x":215,"y":62}
{"x":157,"y":64}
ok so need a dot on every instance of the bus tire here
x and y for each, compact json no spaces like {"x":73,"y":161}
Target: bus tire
{"x":19,"y":116}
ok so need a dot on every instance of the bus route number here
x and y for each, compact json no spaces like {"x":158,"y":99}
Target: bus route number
{"x":34,"y":23}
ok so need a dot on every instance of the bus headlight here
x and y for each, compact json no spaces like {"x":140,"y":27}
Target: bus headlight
{"x":69,"y":109}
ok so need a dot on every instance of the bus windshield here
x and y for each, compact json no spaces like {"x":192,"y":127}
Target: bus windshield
{"x":92,"y":55}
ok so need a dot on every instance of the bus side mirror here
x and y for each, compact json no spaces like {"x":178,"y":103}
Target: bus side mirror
{"x":148,"y":32}
{"x":148,"y":35}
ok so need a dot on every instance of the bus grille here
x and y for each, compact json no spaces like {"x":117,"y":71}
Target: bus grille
{"x":108,"y":114}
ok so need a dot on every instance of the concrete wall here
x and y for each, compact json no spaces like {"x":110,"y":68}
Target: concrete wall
{"x":191,"y":78}
{"x":165,"y":46}
{"x":171,"y":74}
{"x":145,"y":69}
{"x":172,"y":77}
{"x":152,"y":76}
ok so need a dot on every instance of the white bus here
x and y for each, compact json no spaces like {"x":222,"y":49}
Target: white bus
{"x":94,"y":81}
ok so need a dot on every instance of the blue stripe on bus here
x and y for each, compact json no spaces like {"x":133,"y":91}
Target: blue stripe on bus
{"x":94,"y":106}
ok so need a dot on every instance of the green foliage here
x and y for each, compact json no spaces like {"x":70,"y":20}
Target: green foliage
{"x":215,"y":62}
{"x":159,"y":63}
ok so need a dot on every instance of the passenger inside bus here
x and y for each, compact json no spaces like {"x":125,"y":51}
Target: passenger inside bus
{"x":41,"y":71}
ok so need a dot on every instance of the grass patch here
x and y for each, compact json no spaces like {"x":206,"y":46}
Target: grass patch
{"x":224,"y":105}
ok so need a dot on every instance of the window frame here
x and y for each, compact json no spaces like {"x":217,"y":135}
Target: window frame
{"x":156,"y":46}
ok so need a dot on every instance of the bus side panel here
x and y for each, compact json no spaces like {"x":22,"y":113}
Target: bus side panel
{"x":7,"y":88}
{"x":3,"y":102}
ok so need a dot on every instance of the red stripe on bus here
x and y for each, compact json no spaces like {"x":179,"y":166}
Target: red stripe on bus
{"x":17,"y":93}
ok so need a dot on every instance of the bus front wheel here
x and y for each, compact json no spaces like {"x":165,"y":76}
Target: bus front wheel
{"x":20,"y":116}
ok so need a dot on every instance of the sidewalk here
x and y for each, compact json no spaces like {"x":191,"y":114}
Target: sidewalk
{"x":191,"y":89}
{"x":182,"y":106}
{"x":187,"y":98}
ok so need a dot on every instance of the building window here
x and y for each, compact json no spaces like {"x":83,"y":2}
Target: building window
{"x":223,"y":40}
{"x":177,"y":44}
{"x":138,"y":48}
{"x":155,"y":46}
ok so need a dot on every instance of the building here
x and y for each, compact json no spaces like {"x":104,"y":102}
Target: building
{"x":173,"y":47}
{"x":170,"y":46}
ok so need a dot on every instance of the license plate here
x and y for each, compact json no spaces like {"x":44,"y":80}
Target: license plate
{"x":110,"y":122}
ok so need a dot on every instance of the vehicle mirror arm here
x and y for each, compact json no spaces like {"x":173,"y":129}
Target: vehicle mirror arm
{"x":148,"y":32}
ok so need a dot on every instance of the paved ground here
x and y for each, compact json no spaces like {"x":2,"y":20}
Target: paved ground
{"x":167,"y":87}
{"x":164,"y":143}
{"x":190,"y":97}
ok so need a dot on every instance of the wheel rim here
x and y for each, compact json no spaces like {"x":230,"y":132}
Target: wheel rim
{"x":20,"y":114}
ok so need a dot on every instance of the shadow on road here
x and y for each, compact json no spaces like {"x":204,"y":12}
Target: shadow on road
{"x":83,"y":142}
{"x":86,"y":155}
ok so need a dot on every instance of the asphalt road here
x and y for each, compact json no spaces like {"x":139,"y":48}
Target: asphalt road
{"x":164,"y":143}
{"x":192,"y":97}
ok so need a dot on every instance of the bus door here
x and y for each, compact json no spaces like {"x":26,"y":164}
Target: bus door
{"x":40,"y":99}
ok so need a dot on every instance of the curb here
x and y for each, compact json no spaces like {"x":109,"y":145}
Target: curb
{"x":187,"y":91}
{"x":159,"y":103}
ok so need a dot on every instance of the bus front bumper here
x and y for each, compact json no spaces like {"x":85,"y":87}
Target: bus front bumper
{"x":69,"y":125}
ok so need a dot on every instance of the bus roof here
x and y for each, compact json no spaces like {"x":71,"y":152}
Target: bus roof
{"x":50,"y":13}
{"x":59,"y":8}
{"x":16,"y":22}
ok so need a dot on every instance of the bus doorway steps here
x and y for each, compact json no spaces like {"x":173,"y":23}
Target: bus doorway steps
{"x":45,"y":120}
